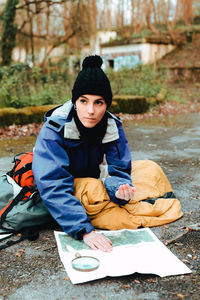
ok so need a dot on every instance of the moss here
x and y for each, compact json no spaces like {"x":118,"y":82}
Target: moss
{"x":129,"y":104}
{"x":21,"y":116}
{"x":35,"y":114}
{"x":161,"y":96}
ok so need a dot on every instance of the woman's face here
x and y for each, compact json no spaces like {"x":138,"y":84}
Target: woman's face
{"x":90,"y":109}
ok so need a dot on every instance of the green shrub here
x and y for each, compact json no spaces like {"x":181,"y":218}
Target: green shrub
{"x":140,"y":81}
{"x":21,"y":86}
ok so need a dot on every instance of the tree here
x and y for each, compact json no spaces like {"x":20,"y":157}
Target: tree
{"x":187,"y":11}
{"x":9,"y":31}
{"x":61,"y":21}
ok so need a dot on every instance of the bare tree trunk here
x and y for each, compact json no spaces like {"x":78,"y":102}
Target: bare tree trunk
{"x":109,"y":21}
{"x":120,"y":14}
{"x":44,"y":62}
{"x":177,"y":10}
{"x":170,"y":25}
{"x":149,"y":5}
{"x":187,"y":11}
{"x":139,"y":17}
{"x":167,"y":12}
{"x":9,"y":32}
{"x":39,"y":21}
{"x":154,"y":11}
{"x":159,"y":12}
{"x":132,"y":13}
{"x":30,"y":19}
{"x":94,"y":17}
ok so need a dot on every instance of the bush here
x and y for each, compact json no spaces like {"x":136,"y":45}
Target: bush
{"x":140,"y":81}
{"x":21,"y":86}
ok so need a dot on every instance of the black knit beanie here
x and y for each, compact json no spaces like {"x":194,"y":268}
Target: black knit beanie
{"x":92,"y":80}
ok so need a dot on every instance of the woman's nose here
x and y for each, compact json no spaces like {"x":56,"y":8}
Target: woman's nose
{"x":90,"y":108}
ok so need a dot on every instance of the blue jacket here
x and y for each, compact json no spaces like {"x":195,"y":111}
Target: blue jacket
{"x":60,"y":156}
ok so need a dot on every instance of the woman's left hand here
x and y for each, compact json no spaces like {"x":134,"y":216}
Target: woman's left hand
{"x":97,"y":241}
{"x":125,"y":192}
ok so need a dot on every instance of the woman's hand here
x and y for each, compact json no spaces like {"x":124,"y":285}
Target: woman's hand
{"x":97,"y":241}
{"x":125,"y":192}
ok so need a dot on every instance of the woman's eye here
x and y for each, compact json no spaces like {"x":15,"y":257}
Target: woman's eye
{"x":82,"y":100}
{"x":99,"y":102}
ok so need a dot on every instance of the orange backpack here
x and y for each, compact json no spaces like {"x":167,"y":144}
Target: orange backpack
{"x":21,"y":209}
{"x":22,"y":171}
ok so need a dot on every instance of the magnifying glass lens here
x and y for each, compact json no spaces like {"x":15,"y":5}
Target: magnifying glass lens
{"x":85,"y":263}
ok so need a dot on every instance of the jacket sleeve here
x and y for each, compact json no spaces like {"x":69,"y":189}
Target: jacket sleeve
{"x":118,"y":160}
{"x":55,"y":184}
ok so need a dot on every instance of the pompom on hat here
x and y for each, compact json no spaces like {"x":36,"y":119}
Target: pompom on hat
{"x":92,"y":80}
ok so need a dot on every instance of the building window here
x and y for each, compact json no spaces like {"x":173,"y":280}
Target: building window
{"x":111,"y":63}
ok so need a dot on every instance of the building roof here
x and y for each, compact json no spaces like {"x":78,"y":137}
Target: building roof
{"x":151,"y":39}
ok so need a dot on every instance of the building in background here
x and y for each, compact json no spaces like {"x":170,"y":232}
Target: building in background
{"x":128,"y":54}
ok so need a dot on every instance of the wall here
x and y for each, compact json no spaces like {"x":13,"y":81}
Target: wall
{"x":19,"y":54}
{"x":153,"y":52}
{"x":101,"y":37}
{"x":131,"y":55}
{"x":118,"y":57}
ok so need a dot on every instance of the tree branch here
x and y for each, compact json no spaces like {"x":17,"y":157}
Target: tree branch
{"x":192,"y":227}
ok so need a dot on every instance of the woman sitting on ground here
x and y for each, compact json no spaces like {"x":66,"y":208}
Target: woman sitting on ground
{"x":73,"y":143}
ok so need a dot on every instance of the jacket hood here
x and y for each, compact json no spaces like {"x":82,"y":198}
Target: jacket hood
{"x":64,"y":114}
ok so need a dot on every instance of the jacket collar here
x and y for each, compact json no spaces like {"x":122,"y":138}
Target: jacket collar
{"x":71,"y":131}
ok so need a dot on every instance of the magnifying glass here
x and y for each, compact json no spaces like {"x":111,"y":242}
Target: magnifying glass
{"x":84,"y":263}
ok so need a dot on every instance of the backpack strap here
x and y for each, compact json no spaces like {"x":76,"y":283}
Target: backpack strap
{"x":18,"y":198}
{"x":29,"y":234}
{"x":16,"y":161}
{"x":21,"y":171}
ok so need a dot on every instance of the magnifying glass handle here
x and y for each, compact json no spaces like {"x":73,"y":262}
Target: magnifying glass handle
{"x":72,"y":251}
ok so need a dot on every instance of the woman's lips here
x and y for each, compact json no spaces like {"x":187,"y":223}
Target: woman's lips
{"x":90,"y":119}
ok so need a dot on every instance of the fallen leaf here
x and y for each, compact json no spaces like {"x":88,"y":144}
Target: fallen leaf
{"x":136,"y":281}
{"x":189,"y":212}
{"x":22,"y":250}
{"x":18,"y":254}
{"x":38,"y":247}
{"x":151,"y":280}
{"x":127,"y":286}
{"x":180,"y":296}
{"x":66,"y":278}
{"x":178,"y":244}
{"x":185,"y":261}
{"x":194,"y":257}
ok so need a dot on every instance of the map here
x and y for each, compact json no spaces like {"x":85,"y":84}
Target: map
{"x":132,"y":251}
{"x":118,"y":238}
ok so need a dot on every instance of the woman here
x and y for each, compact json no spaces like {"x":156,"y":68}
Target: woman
{"x":73,"y":143}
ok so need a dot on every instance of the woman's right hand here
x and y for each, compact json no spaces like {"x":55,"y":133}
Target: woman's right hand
{"x":97,"y":241}
{"x":125,"y":192}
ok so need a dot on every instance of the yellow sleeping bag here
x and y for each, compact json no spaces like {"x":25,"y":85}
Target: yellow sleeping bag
{"x":151,"y":185}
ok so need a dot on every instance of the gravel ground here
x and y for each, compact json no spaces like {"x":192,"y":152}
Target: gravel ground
{"x":33,"y":270}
